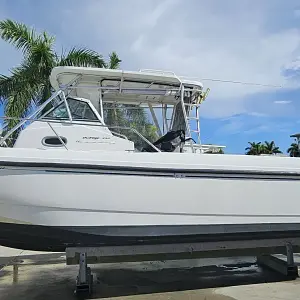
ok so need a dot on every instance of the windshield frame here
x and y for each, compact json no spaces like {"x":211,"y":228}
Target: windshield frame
{"x":62,"y":104}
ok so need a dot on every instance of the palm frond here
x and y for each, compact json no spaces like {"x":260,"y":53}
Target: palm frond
{"x":46,"y":91}
{"x":271,"y":148}
{"x":19,"y":90}
{"x":43,"y":58}
{"x":276,"y":150}
{"x":293,"y":150}
{"x":25,"y":75}
{"x":48,"y":39}
{"x":7,"y":85}
{"x":16,"y":106}
{"x":17,"y":34}
{"x":82,"y":58}
{"x":114,"y":61}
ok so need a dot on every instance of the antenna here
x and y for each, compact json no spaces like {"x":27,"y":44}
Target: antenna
{"x":240,"y":82}
{"x":230,"y":81}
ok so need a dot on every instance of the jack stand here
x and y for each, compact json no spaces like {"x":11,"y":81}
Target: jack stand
{"x":287,"y":268}
{"x":84,"y":282}
{"x":292,"y":269}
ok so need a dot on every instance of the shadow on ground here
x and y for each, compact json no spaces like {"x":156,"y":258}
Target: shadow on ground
{"x":128,"y":282}
{"x":57,"y":281}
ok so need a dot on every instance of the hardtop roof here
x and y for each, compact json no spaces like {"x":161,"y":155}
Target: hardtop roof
{"x":62,"y":75}
{"x":147,"y":86}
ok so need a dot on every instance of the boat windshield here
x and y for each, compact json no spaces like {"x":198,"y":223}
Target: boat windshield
{"x":80,"y":111}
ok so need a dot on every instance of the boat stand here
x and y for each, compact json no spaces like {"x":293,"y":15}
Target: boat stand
{"x":84,"y":281}
{"x":287,"y":268}
{"x":263,"y":249}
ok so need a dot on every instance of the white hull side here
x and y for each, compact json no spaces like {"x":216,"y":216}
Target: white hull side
{"x":83,"y":199}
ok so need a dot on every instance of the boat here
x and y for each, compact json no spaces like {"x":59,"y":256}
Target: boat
{"x":69,"y":179}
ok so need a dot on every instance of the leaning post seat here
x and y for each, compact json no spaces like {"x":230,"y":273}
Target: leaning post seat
{"x":168,"y":142}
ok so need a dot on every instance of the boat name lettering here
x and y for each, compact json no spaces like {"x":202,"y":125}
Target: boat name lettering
{"x":95,"y":138}
{"x":90,"y":137}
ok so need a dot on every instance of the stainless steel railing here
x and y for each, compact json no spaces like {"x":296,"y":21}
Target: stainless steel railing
{"x":49,"y":122}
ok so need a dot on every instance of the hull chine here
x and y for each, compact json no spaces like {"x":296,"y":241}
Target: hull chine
{"x":57,"y":239}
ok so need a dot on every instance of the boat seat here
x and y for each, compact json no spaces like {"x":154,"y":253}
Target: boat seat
{"x":168,"y":142}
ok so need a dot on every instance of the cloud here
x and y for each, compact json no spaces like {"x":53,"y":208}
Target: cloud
{"x":261,"y":128}
{"x":282,"y":102}
{"x":253,"y":124}
{"x":257,"y":114}
{"x":202,"y":39}
{"x":297,"y":13}
{"x":234,"y":126}
{"x":226,"y":40}
{"x":293,"y":65}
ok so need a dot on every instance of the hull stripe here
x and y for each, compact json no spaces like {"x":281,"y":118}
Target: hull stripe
{"x":152,"y":172}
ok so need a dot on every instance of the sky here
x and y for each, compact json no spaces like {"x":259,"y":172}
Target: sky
{"x":249,"y":41}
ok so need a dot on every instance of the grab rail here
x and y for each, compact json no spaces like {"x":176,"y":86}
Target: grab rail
{"x":23,"y":120}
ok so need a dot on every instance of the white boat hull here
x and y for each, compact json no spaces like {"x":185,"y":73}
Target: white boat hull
{"x":63,"y":198}
{"x":153,"y":201}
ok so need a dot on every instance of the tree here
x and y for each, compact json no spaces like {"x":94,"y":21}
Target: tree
{"x":259,"y":148}
{"x":28,"y":84}
{"x":293,"y":150}
{"x":254,"y":148}
{"x":271,"y":148}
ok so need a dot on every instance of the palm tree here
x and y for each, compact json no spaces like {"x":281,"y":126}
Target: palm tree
{"x":255,"y":148}
{"x":293,"y":150}
{"x":259,"y":148}
{"x":28,"y":84}
{"x":271,"y":148}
